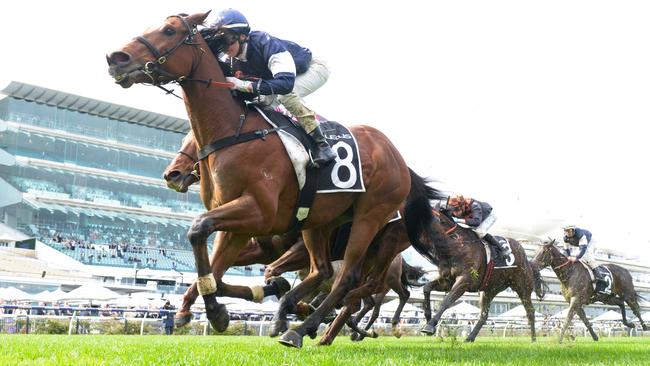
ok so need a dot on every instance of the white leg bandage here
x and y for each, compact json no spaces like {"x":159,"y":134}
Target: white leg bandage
{"x":206,"y":284}
{"x":258,"y":293}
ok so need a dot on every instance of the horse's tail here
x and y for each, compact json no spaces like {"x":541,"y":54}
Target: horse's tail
{"x":411,"y":275}
{"x":637,"y":295}
{"x":418,"y":217}
{"x":540,"y":286}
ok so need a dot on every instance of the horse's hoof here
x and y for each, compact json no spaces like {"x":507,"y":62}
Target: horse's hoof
{"x":182,"y":320}
{"x":469,"y":340}
{"x":312,"y":335}
{"x":218,"y":316}
{"x":291,"y":338}
{"x":398,"y":334}
{"x":595,"y":338}
{"x":279,"y":327}
{"x":325,"y":341}
{"x":429,"y":329}
{"x":374,"y":334}
{"x":280,"y":284}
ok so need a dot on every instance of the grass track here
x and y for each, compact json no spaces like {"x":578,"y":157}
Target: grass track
{"x":222,"y":350}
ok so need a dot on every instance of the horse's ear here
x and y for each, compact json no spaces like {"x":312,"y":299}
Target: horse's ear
{"x":198,"y":18}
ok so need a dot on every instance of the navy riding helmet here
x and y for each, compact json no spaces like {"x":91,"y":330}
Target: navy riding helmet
{"x":233,"y":20}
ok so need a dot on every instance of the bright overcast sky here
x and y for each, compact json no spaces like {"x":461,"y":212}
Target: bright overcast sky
{"x":538,"y":108}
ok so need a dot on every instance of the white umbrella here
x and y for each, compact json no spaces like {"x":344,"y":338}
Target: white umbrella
{"x":518,"y":312}
{"x":392,"y":305}
{"x":462,"y":309}
{"x":90,"y":291}
{"x":560,"y":315}
{"x":12,"y":293}
{"x":608,"y":316}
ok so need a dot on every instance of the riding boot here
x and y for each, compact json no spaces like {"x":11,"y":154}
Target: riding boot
{"x":493,"y":243}
{"x":322,"y":154}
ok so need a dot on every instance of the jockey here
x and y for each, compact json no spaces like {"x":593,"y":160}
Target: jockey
{"x":578,"y":245}
{"x":475,"y":214}
{"x":271,"y":66}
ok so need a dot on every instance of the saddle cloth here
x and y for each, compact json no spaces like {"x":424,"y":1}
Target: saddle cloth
{"x":601,"y":278}
{"x":506,"y":259}
{"x":343,"y":175}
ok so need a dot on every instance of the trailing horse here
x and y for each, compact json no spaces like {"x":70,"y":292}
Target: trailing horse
{"x":577,"y":289}
{"x":462,"y":266}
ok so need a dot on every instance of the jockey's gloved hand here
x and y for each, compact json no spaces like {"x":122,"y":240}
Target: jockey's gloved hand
{"x":459,"y":221}
{"x":241,"y":85}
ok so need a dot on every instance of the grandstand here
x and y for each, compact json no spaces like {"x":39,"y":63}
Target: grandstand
{"x":83,"y":178}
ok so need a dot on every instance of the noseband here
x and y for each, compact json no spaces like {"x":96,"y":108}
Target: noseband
{"x":195,"y":168}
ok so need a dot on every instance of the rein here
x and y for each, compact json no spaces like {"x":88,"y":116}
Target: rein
{"x":563,"y":264}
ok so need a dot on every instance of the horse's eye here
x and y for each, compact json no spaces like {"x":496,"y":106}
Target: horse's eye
{"x":169,"y":31}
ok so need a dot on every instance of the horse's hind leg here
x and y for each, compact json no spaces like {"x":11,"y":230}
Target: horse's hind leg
{"x":583,"y":316}
{"x":632,"y":302}
{"x":615,"y":300}
{"x":486,"y":300}
{"x":524,"y":295}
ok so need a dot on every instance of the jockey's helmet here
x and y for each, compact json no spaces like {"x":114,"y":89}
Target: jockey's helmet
{"x":456,"y":201}
{"x":232,"y":20}
{"x":569,"y":228}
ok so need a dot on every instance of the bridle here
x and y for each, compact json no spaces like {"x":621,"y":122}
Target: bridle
{"x":195,"y":168}
{"x":153,"y":68}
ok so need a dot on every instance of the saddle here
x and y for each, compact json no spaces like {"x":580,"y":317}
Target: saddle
{"x":604,"y":280}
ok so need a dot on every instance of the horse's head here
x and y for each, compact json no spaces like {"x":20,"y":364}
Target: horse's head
{"x":148,"y":58}
{"x":545,"y":253}
{"x":183,"y":171}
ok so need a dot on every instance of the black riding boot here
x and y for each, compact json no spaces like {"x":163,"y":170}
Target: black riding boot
{"x":322,"y":153}
{"x":492,"y":242}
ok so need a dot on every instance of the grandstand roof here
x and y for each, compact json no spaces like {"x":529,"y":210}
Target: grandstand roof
{"x":95,"y":107}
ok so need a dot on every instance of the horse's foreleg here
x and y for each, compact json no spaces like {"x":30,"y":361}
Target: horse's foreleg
{"x":583,"y":317}
{"x":486,"y":300}
{"x":573,"y":306}
{"x":348,"y":278}
{"x":457,"y":290}
{"x":294,"y":259}
{"x":320,"y":270}
{"x":435,"y":285}
{"x":404,"y":296}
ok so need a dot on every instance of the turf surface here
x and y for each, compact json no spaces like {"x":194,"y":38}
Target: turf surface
{"x":231,"y":350}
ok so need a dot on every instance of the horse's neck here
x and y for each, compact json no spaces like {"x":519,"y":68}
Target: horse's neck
{"x":563,"y":272}
{"x":212,"y":112}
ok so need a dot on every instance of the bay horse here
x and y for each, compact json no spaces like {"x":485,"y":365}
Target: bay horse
{"x":462,"y":267}
{"x":283,"y":254}
{"x":401,"y":276}
{"x":250,"y":188}
{"x":577,"y":289}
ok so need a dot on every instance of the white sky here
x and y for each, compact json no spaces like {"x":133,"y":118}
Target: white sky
{"x":536,"y":107}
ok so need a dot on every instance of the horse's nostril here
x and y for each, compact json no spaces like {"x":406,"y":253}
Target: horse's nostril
{"x":118,"y":57}
{"x":171,"y":175}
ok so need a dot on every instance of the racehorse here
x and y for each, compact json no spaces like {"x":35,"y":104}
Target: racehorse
{"x":577,"y":289}
{"x":250,"y":188}
{"x":182,"y":172}
{"x":401,"y":276}
{"x":462,"y":267}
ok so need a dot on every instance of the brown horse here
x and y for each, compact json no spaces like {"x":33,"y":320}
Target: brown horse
{"x":400,"y":277}
{"x":577,"y":289}
{"x":281,"y":256}
{"x":462,"y":267}
{"x":250,"y":188}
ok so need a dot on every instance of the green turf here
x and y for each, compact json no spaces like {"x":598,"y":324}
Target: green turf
{"x":222,"y":350}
